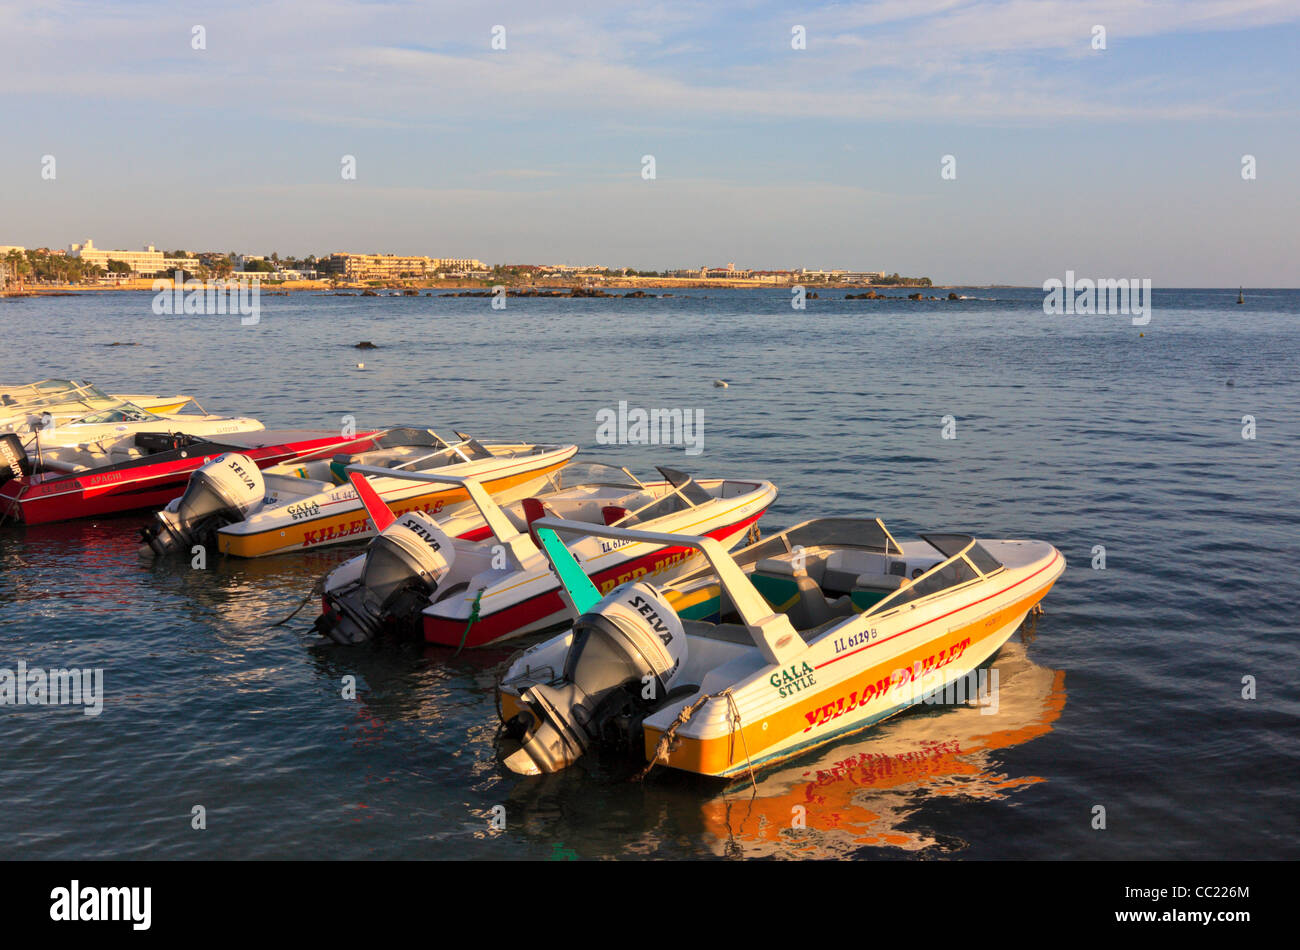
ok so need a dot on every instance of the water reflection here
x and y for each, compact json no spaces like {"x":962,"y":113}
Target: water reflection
{"x":38,"y":563}
{"x":867,"y":792}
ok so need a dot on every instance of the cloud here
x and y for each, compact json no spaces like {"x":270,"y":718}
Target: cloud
{"x":394,"y":63}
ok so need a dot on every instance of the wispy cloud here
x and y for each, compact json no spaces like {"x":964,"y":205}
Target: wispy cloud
{"x":399,"y":63}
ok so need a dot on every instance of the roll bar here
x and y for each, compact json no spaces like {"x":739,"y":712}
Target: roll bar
{"x":519,"y":545}
{"x":772,"y":633}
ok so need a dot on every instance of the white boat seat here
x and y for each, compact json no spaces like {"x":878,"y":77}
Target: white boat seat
{"x":885,"y":582}
{"x":813,"y":563}
{"x":812,"y":608}
{"x":869,"y":589}
{"x":839,"y":581}
{"x":791,"y":592}
{"x":775,"y":565}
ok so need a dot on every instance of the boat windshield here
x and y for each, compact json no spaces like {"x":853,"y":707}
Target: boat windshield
{"x":950,"y":545}
{"x":592,"y":475}
{"x":685,"y":493}
{"x":401,"y":436}
{"x":867,"y":533}
{"x":127,"y":412}
{"x":50,"y":392}
{"x":962,"y":566}
{"x":472,"y":448}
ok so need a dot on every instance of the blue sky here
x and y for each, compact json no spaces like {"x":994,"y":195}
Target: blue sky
{"x":1117,"y":162}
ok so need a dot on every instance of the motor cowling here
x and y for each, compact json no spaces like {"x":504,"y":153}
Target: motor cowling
{"x":14,"y":462}
{"x":402,"y":570}
{"x":628,"y":650}
{"x":221,"y":492}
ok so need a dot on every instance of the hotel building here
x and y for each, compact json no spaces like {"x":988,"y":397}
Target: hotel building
{"x":146,"y":262}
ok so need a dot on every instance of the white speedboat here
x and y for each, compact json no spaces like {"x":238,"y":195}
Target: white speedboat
{"x":814,"y":633}
{"x":25,"y":408}
{"x":245,"y":512}
{"x":464,"y":588}
{"x":94,"y":439}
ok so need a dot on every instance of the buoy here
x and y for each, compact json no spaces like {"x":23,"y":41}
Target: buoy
{"x":1229,"y":383}
{"x":1240,"y":298}
{"x":361,"y":366}
{"x":1141,"y":334}
{"x":719,"y":384}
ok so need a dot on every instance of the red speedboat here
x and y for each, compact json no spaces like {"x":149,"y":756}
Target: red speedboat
{"x":152,"y":471}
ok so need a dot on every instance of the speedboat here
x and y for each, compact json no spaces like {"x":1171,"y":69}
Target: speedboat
{"x":52,"y":401}
{"x":464,"y":588}
{"x":86,"y":441}
{"x":820,"y":631}
{"x":295,"y":506}
{"x":143,"y":470}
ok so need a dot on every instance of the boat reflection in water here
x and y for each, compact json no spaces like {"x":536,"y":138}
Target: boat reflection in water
{"x":863,"y":794}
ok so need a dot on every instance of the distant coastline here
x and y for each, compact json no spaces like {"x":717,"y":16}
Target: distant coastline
{"x":612,"y":283}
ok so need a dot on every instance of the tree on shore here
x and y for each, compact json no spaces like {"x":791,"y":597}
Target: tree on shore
{"x":18,"y":263}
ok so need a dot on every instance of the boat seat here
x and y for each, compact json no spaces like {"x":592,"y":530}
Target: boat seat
{"x":812,"y":609}
{"x":338,"y":468}
{"x":869,"y":589}
{"x":535,"y":508}
{"x":613,"y":513}
{"x":775,"y":565}
{"x":793,"y":593}
{"x":839,"y":581}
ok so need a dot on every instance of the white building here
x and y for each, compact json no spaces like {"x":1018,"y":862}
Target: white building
{"x":148,"y":261}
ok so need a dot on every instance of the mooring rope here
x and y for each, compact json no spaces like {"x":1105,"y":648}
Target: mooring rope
{"x":663,"y":747}
{"x":473,"y":616}
{"x":317,"y":589}
{"x":735,"y":711}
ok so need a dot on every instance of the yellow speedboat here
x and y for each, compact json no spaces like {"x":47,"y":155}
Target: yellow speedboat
{"x":820,"y":631}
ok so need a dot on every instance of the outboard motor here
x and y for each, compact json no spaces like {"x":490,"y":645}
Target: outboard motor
{"x":402,"y":569}
{"x":623,"y":642}
{"x":14,"y":462}
{"x":222,"y":492}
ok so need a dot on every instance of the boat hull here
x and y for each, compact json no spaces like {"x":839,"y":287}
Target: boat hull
{"x":42,"y":499}
{"x":870,"y":694}
{"x":348,"y":522}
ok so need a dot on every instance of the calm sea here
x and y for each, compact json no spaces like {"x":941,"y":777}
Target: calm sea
{"x":1086,"y":431}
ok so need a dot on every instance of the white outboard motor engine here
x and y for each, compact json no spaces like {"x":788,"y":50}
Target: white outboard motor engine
{"x":402,"y":569}
{"x":222,"y":492}
{"x":627,"y":653}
